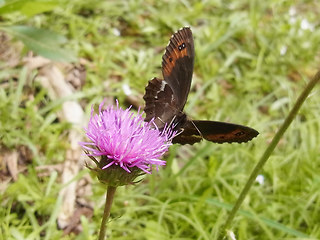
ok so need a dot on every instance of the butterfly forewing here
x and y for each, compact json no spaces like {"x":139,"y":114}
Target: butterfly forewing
{"x":177,"y":65}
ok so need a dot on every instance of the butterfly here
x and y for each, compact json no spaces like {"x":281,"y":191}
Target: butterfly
{"x":165,"y":98}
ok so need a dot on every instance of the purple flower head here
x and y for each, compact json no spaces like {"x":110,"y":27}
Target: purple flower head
{"x":124,"y":140}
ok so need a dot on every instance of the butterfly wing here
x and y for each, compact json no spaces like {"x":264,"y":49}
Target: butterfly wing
{"x":177,"y":65}
{"x":160,"y":102}
{"x":213,"y":131}
{"x":166,"y":98}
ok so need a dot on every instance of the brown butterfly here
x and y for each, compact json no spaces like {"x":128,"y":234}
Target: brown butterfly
{"x":165,"y":98}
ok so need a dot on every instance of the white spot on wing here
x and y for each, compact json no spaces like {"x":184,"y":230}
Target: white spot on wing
{"x":163,"y":85}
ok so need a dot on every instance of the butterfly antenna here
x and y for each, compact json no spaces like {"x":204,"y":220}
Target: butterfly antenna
{"x":164,"y":123}
{"x":196,"y":128}
{"x":161,"y":121}
{"x":174,"y":125}
{"x":172,"y":120}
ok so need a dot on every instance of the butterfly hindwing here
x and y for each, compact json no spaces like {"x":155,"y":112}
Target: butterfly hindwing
{"x":160,"y":102}
{"x":213,"y":131}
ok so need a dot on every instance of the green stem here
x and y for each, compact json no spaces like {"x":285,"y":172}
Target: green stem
{"x":109,"y":198}
{"x":270,"y":149}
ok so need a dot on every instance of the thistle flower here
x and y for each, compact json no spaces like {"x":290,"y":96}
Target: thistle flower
{"x":126,"y":145}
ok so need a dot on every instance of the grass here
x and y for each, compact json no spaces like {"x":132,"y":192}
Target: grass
{"x":253,"y":59}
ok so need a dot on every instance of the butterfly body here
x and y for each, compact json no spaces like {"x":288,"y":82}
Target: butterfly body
{"x":166,"y":98}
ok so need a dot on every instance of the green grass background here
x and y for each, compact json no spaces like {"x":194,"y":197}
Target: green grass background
{"x":253,"y":58}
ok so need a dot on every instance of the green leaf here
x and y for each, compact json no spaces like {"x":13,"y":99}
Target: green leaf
{"x":27,"y":7}
{"x":43,"y":35}
{"x":12,"y":6}
{"x":33,"y":8}
{"x":43,"y":42}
